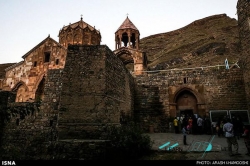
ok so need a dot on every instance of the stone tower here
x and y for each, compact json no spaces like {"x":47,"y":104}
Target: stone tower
{"x":127,"y":39}
{"x":243,"y":11}
{"x":127,"y":35}
{"x":79,"y":33}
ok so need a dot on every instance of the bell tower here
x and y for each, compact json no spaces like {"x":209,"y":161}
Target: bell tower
{"x":127,"y":35}
{"x":127,"y":39}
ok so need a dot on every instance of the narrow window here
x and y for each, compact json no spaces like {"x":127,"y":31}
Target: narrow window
{"x":51,"y":123}
{"x":185,"y":80}
{"x":35,"y":64}
{"x":46,"y":57}
{"x":57,"y":61}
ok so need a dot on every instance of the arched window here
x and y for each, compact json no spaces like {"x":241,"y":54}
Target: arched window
{"x":125,"y":39}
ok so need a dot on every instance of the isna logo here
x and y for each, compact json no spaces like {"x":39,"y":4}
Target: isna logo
{"x":8,"y":163}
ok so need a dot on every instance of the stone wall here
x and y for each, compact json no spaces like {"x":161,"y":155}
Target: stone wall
{"x":26,"y":77}
{"x":6,"y":97}
{"x":96,"y":88}
{"x":26,"y":136}
{"x":214,"y":89}
{"x":243,"y":11}
{"x":92,"y":91}
{"x":52,"y":92}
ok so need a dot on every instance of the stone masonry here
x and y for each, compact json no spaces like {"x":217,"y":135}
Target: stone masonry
{"x":156,"y":94}
{"x":96,"y":89}
{"x":243,"y":11}
{"x":93,"y":89}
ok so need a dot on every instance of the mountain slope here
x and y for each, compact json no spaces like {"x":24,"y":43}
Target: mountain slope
{"x":205,"y":42}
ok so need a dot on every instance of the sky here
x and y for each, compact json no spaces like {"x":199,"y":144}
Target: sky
{"x":25,"y":23}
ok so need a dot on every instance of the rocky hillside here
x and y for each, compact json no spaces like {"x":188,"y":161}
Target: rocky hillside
{"x":205,"y":42}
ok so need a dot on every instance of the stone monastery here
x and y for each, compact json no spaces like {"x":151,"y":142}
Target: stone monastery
{"x":84,"y":86}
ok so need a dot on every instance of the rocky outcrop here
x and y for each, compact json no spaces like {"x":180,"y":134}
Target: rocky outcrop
{"x":208,"y":41}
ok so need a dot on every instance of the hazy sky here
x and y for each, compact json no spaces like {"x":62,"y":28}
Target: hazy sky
{"x":25,"y":23}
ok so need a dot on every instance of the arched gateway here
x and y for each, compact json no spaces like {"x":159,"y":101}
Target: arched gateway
{"x":187,"y":101}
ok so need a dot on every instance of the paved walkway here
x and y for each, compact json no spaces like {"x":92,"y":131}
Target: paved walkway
{"x":202,"y":144}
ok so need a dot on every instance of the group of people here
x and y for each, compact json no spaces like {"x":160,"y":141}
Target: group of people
{"x":189,"y":125}
{"x":236,"y":121}
{"x":193,"y":124}
{"x":232,"y":129}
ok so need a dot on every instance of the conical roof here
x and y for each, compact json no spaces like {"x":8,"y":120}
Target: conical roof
{"x":127,"y":24}
{"x":80,"y":24}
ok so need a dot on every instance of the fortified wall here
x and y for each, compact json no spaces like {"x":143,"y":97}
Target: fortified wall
{"x":161,"y":93}
{"x":94,"y":90}
{"x":243,"y":11}
{"x":66,"y":120}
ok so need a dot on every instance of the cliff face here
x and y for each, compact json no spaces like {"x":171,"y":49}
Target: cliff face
{"x":205,"y":42}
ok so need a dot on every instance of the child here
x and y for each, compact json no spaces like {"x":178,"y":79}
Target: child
{"x":184,"y":132}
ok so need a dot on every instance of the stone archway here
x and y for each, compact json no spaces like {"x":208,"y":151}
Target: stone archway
{"x":134,"y":60}
{"x":127,"y":58}
{"x":186,"y":99}
{"x":126,"y":55}
{"x":186,"y":103}
{"x":39,"y":95}
{"x":21,"y":91}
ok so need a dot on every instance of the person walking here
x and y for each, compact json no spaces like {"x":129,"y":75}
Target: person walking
{"x":184,"y":132}
{"x":175,"y":122}
{"x":181,"y":120}
{"x":207,"y":126}
{"x":246,"y":136}
{"x":239,"y":125}
{"x":190,"y":123}
{"x":184,"y":121}
{"x":231,"y":139}
{"x":220,"y":124}
{"x":213,"y":125}
{"x":194,"y":125}
{"x":200,"y":124}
